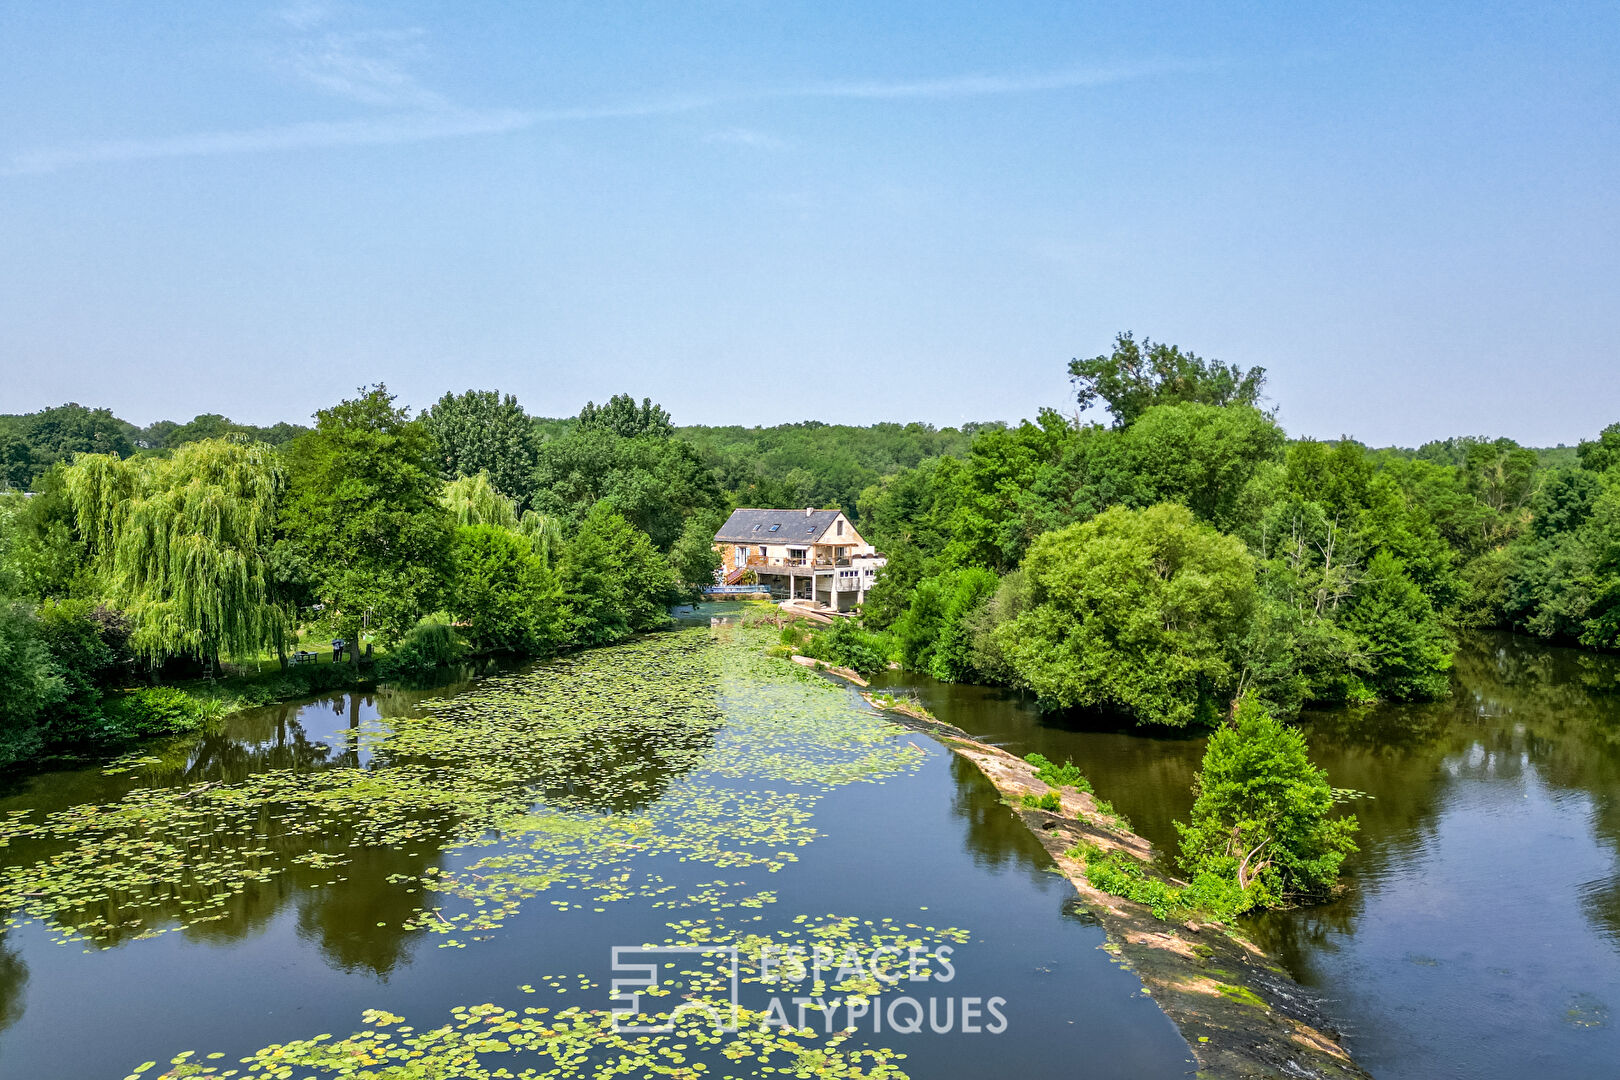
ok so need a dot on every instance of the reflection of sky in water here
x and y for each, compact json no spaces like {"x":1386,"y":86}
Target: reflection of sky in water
{"x":1480,"y":935}
{"x":347,"y":726}
{"x":1480,"y":956}
{"x":350,"y":727}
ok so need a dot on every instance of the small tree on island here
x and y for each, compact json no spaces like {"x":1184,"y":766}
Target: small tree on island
{"x":1261,"y":819}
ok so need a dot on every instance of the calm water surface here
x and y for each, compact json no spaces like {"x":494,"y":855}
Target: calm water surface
{"x":1480,"y":935}
{"x":303,"y":952}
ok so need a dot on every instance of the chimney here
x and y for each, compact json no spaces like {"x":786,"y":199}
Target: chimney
{"x":809,"y":510}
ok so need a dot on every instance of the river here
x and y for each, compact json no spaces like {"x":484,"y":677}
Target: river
{"x":1479,"y":937}
{"x":435,"y":882}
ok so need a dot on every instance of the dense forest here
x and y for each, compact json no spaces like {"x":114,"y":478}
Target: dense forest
{"x":1189,"y":551}
{"x":1163,"y":565}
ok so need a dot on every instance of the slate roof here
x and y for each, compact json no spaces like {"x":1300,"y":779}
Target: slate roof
{"x":791,"y":526}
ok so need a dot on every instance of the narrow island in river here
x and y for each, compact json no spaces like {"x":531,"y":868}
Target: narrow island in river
{"x":1241,"y":1014}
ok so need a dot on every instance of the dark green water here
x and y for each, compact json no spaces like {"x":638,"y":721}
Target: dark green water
{"x":1480,"y":935}
{"x":294,"y":912}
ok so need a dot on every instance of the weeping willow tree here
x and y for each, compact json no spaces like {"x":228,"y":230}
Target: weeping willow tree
{"x":544,"y":535}
{"x":99,"y":486}
{"x":183,"y":546}
{"x":473,"y":500}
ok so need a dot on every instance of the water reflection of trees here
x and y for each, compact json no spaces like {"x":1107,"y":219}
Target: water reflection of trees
{"x":352,"y":893}
{"x":13,"y":981}
{"x":1149,"y":779}
{"x":336,"y":908}
{"x":1563,"y":709}
{"x":356,"y":921}
{"x":994,"y":837}
{"x":1517,"y":705}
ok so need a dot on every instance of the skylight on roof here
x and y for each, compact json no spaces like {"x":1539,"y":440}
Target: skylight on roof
{"x":775,"y":527}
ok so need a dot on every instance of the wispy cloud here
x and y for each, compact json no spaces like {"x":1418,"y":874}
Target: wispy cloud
{"x":370,"y":131}
{"x":305,"y":14}
{"x":375,"y":67}
{"x":447,"y":123}
{"x":962,"y":86}
{"x":741,"y":136}
{"x":371,"y":67}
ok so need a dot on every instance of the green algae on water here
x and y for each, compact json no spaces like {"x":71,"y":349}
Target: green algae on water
{"x":488,"y":1040}
{"x":577,"y":778}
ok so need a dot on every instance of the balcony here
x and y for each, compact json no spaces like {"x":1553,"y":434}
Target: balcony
{"x":815,"y":562}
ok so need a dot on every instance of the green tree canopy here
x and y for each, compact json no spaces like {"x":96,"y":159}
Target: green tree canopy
{"x":654,"y":483}
{"x":1403,"y":647}
{"x":1262,"y":817}
{"x":693,"y":557}
{"x":811,"y":463}
{"x":16,"y":460}
{"x":29,"y":682}
{"x":183,"y":544}
{"x":1134,"y":378}
{"x":88,"y":644}
{"x":199,"y":427}
{"x":1143,"y":610}
{"x":362,"y":519}
{"x":1199,"y":455}
{"x":168,"y":435}
{"x":31,"y":444}
{"x":479,"y":431}
{"x":615,"y":582}
{"x":1562,"y":579}
{"x":44,"y":555}
{"x":1010,"y":489}
{"x":621,"y":416}
{"x":1603,"y":453}
{"x":936,"y":632}
{"x":473,"y":500}
{"x":501,"y":593}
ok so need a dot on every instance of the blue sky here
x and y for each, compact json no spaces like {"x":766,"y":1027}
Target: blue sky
{"x":761,"y":212}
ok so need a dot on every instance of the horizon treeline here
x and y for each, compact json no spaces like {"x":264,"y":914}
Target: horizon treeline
{"x":1162,"y":564}
{"x":804,"y":462}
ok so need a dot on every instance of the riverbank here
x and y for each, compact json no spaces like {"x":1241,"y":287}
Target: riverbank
{"x":448,"y":855}
{"x":1242,"y":1015}
{"x":196,"y":706}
